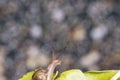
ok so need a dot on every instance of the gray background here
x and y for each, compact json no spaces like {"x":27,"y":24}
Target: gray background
{"x":85,"y":33}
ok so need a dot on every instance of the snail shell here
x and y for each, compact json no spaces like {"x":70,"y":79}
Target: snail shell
{"x":40,"y":75}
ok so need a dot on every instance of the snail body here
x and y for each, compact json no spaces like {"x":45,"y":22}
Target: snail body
{"x":46,"y":74}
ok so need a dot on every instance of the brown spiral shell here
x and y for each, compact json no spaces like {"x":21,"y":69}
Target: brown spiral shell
{"x":40,"y":75}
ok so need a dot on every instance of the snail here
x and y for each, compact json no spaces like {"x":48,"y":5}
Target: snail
{"x":46,"y":74}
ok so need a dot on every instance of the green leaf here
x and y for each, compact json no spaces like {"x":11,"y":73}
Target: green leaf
{"x":27,"y":76}
{"x":74,"y":74}
{"x":100,"y":75}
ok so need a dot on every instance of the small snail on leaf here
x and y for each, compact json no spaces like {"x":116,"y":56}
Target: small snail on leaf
{"x":46,"y":74}
{"x":43,"y":74}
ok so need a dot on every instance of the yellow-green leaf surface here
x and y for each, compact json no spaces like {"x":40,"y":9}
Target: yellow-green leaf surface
{"x":27,"y":76}
{"x":100,"y":75}
{"x":74,"y":74}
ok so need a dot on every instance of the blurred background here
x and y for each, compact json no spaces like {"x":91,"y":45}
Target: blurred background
{"x":85,"y":33}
